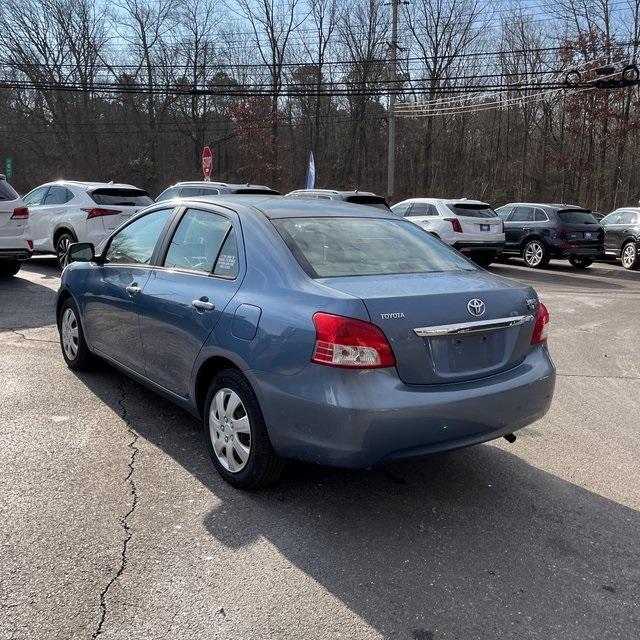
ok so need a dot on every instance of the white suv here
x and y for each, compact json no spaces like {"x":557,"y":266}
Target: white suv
{"x":470,"y":226}
{"x":15,"y":237}
{"x":66,"y":211}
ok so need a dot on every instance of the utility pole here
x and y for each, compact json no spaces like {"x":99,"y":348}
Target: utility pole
{"x":391,"y":148}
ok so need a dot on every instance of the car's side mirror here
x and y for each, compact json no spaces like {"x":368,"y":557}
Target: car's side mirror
{"x":81,"y":252}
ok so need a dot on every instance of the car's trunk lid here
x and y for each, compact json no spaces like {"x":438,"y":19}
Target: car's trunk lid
{"x":579,"y":227}
{"x":124,"y":202}
{"x":476,"y":218}
{"x":401,"y":304}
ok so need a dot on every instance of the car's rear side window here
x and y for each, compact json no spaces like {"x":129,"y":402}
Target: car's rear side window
{"x":570,"y":216}
{"x":470,"y":210}
{"x":333,"y":247}
{"x":121,"y":197}
{"x":7,"y":192}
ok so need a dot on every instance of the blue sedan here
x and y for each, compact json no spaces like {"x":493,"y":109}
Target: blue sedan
{"x":328,"y":332}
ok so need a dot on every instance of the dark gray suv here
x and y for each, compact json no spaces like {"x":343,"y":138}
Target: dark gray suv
{"x":354,"y":197}
{"x":539,"y":232}
{"x":622,"y":236}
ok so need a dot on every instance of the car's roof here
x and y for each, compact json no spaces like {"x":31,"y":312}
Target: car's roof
{"x":634,"y":209}
{"x":445,"y":200}
{"x":336,"y":192}
{"x":89,"y":185}
{"x":215,"y":185}
{"x":546,"y":205}
{"x":282,"y":207}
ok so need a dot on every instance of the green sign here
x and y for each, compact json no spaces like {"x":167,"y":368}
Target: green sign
{"x":8,"y":167}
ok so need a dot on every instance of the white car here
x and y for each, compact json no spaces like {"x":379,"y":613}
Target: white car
{"x":66,"y":211}
{"x":15,"y":237}
{"x":471,"y":226}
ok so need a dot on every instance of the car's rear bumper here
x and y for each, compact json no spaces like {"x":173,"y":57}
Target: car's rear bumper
{"x":471,"y":246}
{"x":363,"y":418}
{"x":11,"y":255}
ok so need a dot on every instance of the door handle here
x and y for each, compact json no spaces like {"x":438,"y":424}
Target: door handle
{"x":133,"y":289}
{"x":203,"y":304}
{"x":526,"y":228}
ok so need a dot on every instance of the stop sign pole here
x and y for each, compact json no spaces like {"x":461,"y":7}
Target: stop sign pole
{"x":207,"y":164}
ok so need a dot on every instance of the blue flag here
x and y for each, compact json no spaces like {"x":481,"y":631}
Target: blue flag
{"x":311,"y":173}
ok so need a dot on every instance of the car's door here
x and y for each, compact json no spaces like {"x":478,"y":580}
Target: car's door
{"x":33,"y":200}
{"x":199,"y":271}
{"x":620,"y":230}
{"x":111,"y":305}
{"x":49,"y":215}
{"x":423,"y":214}
{"x":517,"y":226}
{"x":610,"y":224}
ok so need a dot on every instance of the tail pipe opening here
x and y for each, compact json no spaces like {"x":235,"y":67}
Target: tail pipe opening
{"x":509,"y":437}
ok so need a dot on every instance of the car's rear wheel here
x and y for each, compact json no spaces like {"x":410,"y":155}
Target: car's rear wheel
{"x":9,"y":268}
{"x":535,"y":254}
{"x":484,"y":258}
{"x":62,"y":247}
{"x":630,"y":256}
{"x":74,"y":347}
{"x":580,"y":262}
{"x":236,"y":435}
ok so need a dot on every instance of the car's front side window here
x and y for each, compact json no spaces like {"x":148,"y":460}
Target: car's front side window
{"x":35,"y":197}
{"x":136,"y":242}
{"x":504,"y":212}
{"x":197,"y":241}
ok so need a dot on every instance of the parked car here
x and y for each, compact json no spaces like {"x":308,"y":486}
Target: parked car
{"x":201,"y":188}
{"x":622,"y":236}
{"x":15,"y":238}
{"x":540,"y":232}
{"x":354,"y":197}
{"x":67,"y":211}
{"x":470,"y":226}
{"x":336,"y":334}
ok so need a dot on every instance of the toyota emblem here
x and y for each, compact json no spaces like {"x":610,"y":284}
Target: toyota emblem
{"x":475,"y":307}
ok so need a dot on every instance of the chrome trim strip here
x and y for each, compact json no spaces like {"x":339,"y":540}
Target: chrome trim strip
{"x":472,"y":327}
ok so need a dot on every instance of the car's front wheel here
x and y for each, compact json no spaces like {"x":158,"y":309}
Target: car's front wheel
{"x":630,"y":256}
{"x":62,"y":248}
{"x":535,"y":254}
{"x":9,"y":268}
{"x":580,"y":262}
{"x":74,"y":347}
{"x":236,"y":435}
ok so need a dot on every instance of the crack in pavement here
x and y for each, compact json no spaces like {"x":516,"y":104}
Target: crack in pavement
{"x":125,"y":519}
{"x":587,"y":375}
{"x":24,"y":337}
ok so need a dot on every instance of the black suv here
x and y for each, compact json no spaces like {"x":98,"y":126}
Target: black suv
{"x":622,"y":236}
{"x":539,"y":232}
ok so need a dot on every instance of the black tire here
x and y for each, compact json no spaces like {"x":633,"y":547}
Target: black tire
{"x":580,"y":262}
{"x":62,"y":245}
{"x":630,"y":256}
{"x":9,"y":268}
{"x":263,"y":465}
{"x":535,"y":254}
{"x":82,"y":359}
{"x":484,"y":258}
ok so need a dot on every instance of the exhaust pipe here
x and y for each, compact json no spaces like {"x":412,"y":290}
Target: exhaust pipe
{"x":509,"y":437}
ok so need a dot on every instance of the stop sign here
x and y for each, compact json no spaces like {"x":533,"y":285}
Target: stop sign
{"x":207,"y":163}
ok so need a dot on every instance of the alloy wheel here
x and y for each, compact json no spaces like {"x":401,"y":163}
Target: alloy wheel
{"x":70,"y":334}
{"x":533,"y":254}
{"x":230,"y":430}
{"x":628,"y":255}
{"x":61,"y":250}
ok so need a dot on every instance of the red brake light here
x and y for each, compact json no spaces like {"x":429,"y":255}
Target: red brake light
{"x":455,"y":223}
{"x":347,"y":342}
{"x":97,"y":213}
{"x":30,"y":243}
{"x":20,"y":213}
{"x":540,"y":328}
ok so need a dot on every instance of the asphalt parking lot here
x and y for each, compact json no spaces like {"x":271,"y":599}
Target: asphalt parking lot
{"x":113,"y":523}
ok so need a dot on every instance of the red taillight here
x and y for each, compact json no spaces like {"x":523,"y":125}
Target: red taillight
{"x":97,"y":213}
{"x":540,"y":328}
{"x":347,"y":342}
{"x":30,"y":243}
{"x":20,"y":213}
{"x":455,"y":223}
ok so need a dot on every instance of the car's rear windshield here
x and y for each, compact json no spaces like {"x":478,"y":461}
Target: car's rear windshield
{"x":255,"y":191}
{"x":334,"y":247}
{"x":474,"y":210}
{"x":121,"y":197}
{"x":7,"y":192}
{"x":576,"y":216}
{"x":370,"y":201}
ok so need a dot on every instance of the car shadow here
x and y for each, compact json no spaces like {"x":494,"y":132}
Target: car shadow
{"x":559,"y":274}
{"x":471,"y":544}
{"x":26,"y":304}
